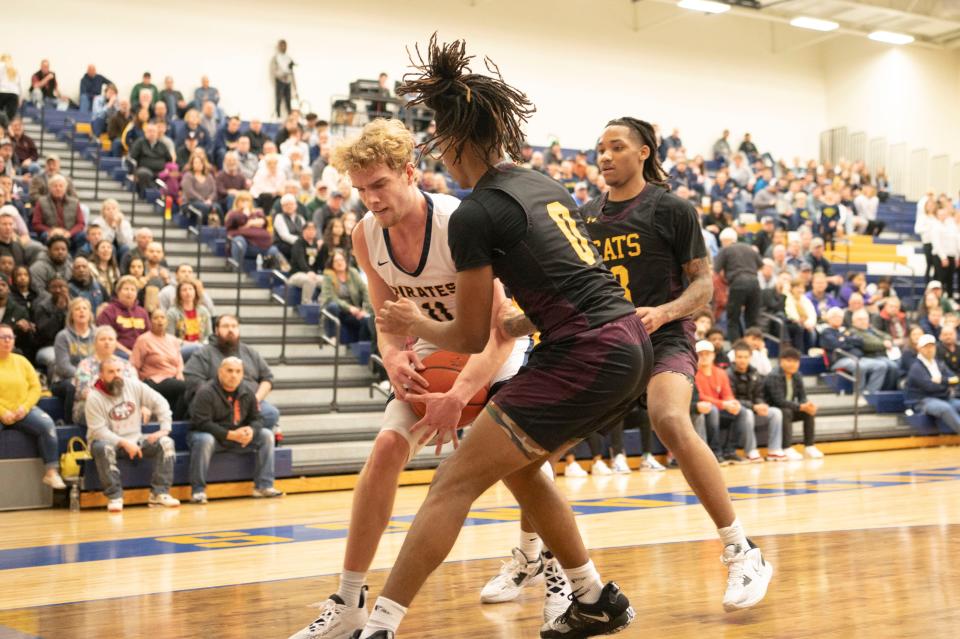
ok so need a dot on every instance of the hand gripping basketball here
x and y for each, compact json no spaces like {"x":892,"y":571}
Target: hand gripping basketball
{"x":441,"y":411}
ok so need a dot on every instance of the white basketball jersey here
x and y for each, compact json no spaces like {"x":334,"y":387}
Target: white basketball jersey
{"x":433,"y":283}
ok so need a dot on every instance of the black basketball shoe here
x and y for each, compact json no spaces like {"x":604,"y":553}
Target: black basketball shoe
{"x":611,"y":614}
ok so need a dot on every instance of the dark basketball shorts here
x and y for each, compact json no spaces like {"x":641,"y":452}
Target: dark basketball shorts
{"x":575,"y":387}
{"x":673,"y":352}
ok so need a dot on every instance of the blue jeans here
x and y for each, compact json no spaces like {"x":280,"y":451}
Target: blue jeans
{"x":38,"y":424}
{"x":105,"y":458}
{"x":270,"y":415}
{"x":736,"y":427}
{"x":874,"y":372}
{"x":203,"y":445}
{"x":352,"y":329}
{"x":947,"y":411}
{"x":774,"y":421}
{"x":240,"y":249}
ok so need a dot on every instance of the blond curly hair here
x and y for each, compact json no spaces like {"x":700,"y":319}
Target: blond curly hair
{"x":381,"y":142}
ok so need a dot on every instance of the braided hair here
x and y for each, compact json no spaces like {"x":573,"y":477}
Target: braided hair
{"x":652,"y":170}
{"x":480,"y":110}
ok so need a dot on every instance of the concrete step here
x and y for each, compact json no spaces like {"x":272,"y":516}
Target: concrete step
{"x":230,"y":294}
{"x":294,"y":398}
{"x":343,"y":457}
{"x":350,"y":373}
{"x":332,"y":427}
{"x":272,"y":329}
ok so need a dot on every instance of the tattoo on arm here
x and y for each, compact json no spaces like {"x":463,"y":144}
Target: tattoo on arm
{"x":518,"y":325}
{"x":698,"y":293}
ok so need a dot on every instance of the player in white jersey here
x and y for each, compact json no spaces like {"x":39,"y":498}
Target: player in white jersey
{"x":401,"y":244}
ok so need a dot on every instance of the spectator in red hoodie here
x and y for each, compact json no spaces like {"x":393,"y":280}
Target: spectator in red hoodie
{"x":727,"y":414}
{"x":125,"y":315}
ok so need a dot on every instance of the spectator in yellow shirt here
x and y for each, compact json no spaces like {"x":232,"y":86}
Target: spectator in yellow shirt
{"x":18,"y":405}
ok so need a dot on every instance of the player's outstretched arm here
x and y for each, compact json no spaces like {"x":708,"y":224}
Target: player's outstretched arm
{"x":695,"y":296}
{"x":482,"y":367}
{"x":467,"y":333}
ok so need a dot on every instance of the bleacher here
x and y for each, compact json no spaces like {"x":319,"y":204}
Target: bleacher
{"x":329,"y":409}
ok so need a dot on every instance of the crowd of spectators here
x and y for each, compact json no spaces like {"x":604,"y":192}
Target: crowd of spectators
{"x":80,"y":290}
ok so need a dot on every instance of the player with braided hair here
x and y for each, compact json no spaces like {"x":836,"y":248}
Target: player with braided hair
{"x":591,"y":364}
{"x":640,"y":228}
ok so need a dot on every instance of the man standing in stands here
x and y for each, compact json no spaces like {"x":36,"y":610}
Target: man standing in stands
{"x":114,"y":412}
{"x":281,"y":68}
{"x":224,"y":418}
{"x":739,"y":263}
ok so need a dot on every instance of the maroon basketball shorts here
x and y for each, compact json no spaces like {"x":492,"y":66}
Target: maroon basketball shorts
{"x":577,"y":386}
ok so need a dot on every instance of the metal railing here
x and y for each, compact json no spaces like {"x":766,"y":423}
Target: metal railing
{"x":195,"y":230}
{"x":43,"y":128}
{"x":855,"y":378}
{"x":71,"y":135}
{"x":335,"y":342}
{"x":238,"y":266}
{"x":134,"y":188}
{"x":377,"y":361}
{"x":781,"y":337}
{"x":285,"y":301}
{"x":98,"y":151}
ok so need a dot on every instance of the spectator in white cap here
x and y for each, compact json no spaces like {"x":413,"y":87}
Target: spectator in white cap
{"x":581,"y":194}
{"x":930,"y":384}
{"x":935,"y":288}
{"x":726,"y":412}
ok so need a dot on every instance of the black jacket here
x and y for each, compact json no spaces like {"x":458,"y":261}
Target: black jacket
{"x":747,"y":387}
{"x":775,"y":390}
{"x":210,"y":411}
{"x":300,"y":257}
{"x":147,"y":156}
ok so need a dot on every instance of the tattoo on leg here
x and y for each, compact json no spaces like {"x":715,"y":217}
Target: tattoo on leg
{"x":530,"y":449}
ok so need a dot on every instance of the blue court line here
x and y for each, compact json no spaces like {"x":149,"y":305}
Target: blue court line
{"x":16,"y":558}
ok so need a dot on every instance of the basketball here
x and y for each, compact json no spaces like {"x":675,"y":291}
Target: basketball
{"x":440,"y":371}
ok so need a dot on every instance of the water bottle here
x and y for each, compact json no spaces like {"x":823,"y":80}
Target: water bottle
{"x":259,"y":262}
{"x":74,"y":497}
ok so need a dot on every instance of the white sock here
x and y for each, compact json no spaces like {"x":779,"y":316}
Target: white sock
{"x":386,"y":615}
{"x":733,"y":534}
{"x":350,"y":585}
{"x":585,"y":582}
{"x":530,"y":545}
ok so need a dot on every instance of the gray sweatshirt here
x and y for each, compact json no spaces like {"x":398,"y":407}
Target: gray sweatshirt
{"x":43,"y":270}
{"x":205,"y":362}
{"x":111,"y":419}
{"x":69,"y":350}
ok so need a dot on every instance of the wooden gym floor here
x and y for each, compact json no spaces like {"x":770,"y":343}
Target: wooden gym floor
{"x":863,"y":545}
